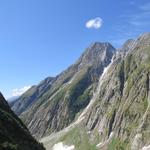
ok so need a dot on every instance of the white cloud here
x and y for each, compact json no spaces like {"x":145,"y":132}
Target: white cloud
{"x":18,"y":92}
{"x":95,"y":23}
{"x":60,"y":146}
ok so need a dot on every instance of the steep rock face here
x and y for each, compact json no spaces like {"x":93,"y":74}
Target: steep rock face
{"x":68,"y":94}
{"x":13,"y":133}
{"x":119,"y":117}
{"x":123,"y":102}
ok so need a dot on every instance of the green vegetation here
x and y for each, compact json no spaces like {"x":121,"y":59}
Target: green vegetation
{"x":8,"y":146}
{"x":117,"y":144}
{"x":13,"y":133}
{"x":78,"y":137}
{"x":79,"y":95}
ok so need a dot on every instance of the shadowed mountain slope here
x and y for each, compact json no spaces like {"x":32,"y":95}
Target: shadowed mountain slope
{"x":13,"y":133}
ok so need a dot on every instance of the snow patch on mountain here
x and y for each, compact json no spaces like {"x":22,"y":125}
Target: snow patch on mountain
{"x":146,"y":147}
{"x":61,"y":146}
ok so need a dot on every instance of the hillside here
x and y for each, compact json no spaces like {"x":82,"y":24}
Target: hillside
{"x":13,"y":133}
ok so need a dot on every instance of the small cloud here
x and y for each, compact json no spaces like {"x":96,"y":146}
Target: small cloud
{"x":18,"y":92}
{"x":94,"y":23}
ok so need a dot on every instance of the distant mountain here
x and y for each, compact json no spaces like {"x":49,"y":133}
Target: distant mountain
{"x":13,"y":133}
{"x":28,"y":98}
{"x":11,"y":99}
{"x":100,"y":102}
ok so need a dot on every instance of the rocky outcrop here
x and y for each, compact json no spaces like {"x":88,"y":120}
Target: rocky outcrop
{"x":13,"y":133}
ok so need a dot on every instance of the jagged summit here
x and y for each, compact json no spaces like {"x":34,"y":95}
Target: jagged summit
{"x":100,"y":44}
{"x":96,"y":53}
{"x":96,"y":47}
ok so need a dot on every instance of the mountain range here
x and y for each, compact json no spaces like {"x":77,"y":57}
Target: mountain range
{"x":102,"y":101}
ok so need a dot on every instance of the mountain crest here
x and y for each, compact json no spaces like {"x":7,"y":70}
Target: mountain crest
{"x":96,"y":53}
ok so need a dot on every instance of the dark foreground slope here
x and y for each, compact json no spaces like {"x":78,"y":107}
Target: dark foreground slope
{"x":13,"y":133}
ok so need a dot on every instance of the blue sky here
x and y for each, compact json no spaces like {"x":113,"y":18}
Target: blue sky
{"x":40,"y":38}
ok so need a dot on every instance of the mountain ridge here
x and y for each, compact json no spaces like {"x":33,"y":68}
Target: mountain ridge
{"x":106,"y":101}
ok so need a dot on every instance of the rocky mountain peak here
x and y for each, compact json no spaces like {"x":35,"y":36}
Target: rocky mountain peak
{"x":97,"y":48}
{"x":127,"y":45}
{"x":96,"y":53}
